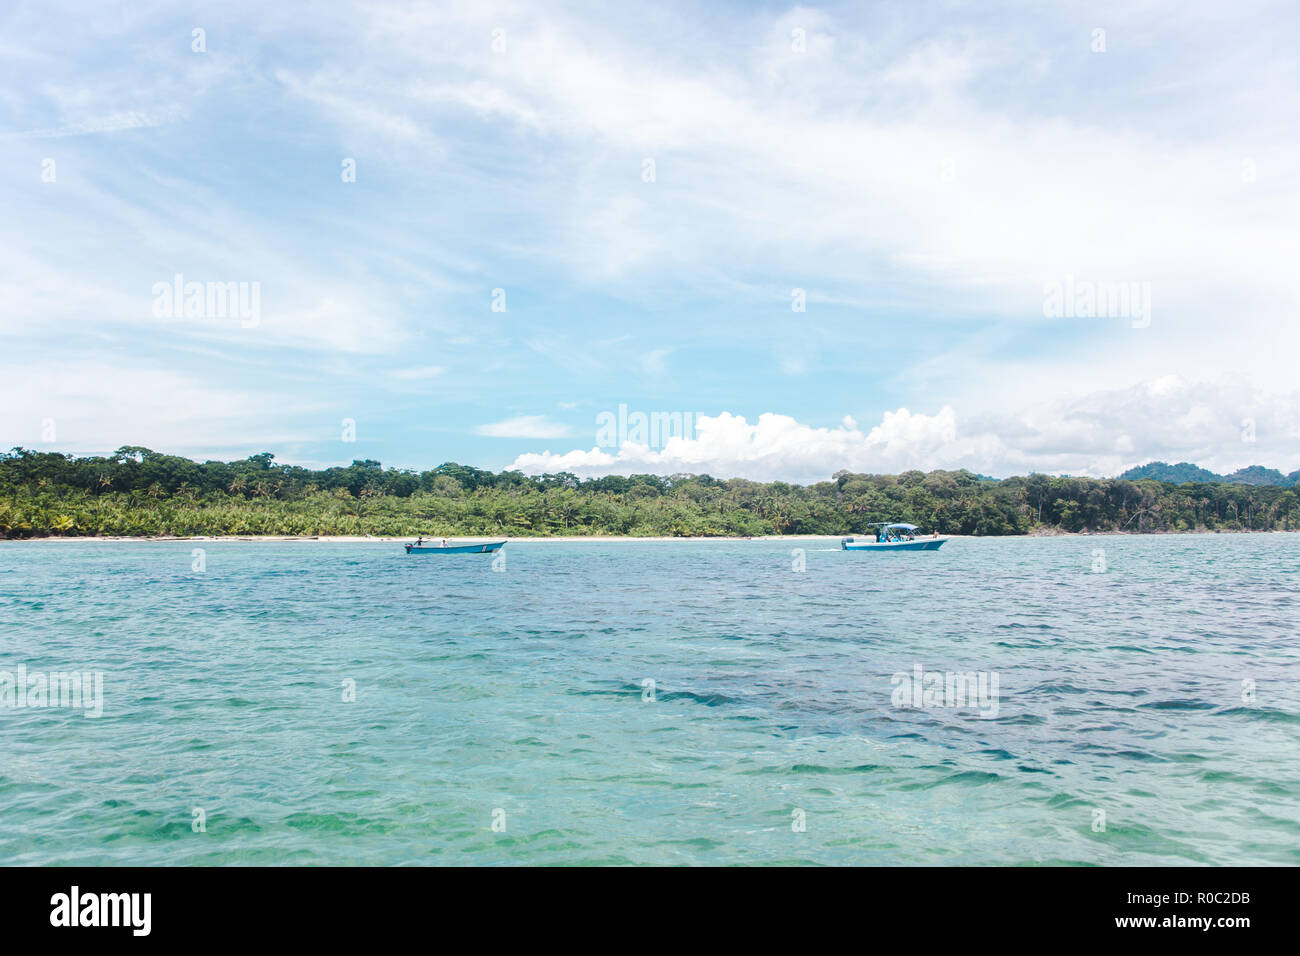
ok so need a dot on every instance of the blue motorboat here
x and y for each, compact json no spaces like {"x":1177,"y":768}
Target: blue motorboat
{"x":896,"y":536}
{"x":421,"y":548}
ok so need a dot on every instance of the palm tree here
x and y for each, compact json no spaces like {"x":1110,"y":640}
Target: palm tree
{"x":1138,"y":515}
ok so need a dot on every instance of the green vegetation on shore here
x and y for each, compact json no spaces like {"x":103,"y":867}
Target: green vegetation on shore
{"x":136,"y":491}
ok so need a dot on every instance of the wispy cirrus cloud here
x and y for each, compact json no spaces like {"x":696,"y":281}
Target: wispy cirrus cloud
{"x":112,"y":123}
{"x":525,"y":426}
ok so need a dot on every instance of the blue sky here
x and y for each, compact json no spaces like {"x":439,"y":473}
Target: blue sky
{"x":922,"y":172}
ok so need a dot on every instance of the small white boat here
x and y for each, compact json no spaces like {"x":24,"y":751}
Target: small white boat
{"x":898,"y":536}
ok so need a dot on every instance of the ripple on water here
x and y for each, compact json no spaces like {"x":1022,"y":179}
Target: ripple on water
{"x":628,"y":703}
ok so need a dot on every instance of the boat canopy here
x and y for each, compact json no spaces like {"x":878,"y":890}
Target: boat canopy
{"x":903,"y":525}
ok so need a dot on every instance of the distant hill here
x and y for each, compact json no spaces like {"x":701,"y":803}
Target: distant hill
{"x":1186,"y":471}
{"x":1161,"y":471}
{"x":1257,"y":475}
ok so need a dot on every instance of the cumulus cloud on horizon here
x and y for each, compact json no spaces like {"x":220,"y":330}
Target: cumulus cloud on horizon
{"x":1100,"y":435}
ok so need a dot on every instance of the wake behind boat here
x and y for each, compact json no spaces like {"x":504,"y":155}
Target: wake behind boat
{"x":442,"y":547}
{"x":898,"y":536}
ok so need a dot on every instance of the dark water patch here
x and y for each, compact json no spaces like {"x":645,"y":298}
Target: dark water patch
{"x":1266,"y":714}
{"x":340,"y":823}
{"x":1178,"y":705}
{"x":1124,"y":835}
{"x":1141,"y":756}
{"x":1260,"y":784}
{"x":1188,"y":758}
{"x":1059,"y":688}
{"x":696,"y":843}
{"x":819,"y":768}
{"x":1284,"y":824}
{"x":1063,"y":801}
{"x":707,"y":699}
{"x":966,"y":778}
{"x":1021,"y":720}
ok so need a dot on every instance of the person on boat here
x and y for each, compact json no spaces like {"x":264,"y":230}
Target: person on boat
{"x":444,"y":542}
{"x":419,"y":541}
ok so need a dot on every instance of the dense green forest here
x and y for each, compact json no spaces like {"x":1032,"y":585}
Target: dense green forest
{"x":136,"y":491}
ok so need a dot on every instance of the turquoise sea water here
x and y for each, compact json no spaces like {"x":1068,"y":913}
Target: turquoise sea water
{"x":519,"y":696}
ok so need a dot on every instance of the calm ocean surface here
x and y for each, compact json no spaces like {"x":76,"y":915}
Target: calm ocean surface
{"x":523,"y":691}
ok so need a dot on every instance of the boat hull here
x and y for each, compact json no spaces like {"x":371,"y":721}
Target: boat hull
{"x":930,"y":544}
{"x":457,"y":548}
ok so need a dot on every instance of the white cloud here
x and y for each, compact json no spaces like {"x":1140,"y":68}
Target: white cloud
{"x":96,"y":405}
{"x":1031,"y":197}
{"x":827,"y":169}
{"x":1100,"y":434}
{"x":774,"y":447}
{"x":338,"y":98}
{"x":765,"y":165}
{"x":111,"y":123}
{"x":336,"y":322}
{"x":525,"y":426}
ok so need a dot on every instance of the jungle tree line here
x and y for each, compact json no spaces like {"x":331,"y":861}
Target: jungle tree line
{"x":136,"y":491}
